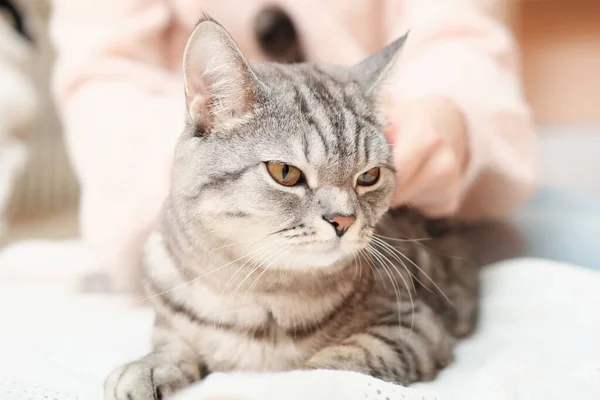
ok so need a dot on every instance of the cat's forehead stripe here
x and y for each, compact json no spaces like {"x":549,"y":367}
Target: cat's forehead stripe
{"x":340,"y":120}
{"x":301,"y":97}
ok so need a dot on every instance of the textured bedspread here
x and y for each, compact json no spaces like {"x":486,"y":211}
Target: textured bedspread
{"x":539,"y":338}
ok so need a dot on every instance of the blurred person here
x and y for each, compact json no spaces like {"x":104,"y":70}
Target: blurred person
{"x":18,"y":98}
{"x":460,"y":128}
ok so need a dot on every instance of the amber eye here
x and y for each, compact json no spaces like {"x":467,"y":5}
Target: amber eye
{"x":369,"y":178}
{"x":284,"y":174}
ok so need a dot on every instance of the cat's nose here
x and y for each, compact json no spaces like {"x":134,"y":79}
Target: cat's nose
{"x":340,"y":223}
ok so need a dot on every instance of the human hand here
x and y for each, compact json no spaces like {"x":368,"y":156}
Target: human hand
{"x":430,"y":145}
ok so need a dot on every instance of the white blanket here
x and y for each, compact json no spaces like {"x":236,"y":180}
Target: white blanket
{"x":539,"y":338}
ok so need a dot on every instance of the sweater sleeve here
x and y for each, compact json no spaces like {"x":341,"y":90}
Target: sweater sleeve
{"x":455,"y":49}
{"x":122,"y":109}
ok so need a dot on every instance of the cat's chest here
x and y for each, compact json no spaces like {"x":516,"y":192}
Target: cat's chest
{"x":252,"y":339}
{"x":267,"y":349}
{"x":261,"y":333}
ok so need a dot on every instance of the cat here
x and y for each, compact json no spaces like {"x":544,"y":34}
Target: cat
{"x":277,"y":249}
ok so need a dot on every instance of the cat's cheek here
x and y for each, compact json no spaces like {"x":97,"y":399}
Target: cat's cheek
{"x":375,"y":204}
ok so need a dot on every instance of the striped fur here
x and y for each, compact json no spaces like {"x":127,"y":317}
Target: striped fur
{"x":245,"y":274}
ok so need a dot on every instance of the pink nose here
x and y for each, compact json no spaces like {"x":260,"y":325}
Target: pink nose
{"x":340,"y":223}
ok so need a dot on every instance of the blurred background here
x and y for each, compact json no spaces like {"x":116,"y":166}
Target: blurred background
{"x":560,"y":45}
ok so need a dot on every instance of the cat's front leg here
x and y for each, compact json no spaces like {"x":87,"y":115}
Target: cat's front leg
{"x":172,"y":366}
{"x":402,"y":349}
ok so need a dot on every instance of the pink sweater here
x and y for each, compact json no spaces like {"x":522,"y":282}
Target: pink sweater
{"x":120,"y":91}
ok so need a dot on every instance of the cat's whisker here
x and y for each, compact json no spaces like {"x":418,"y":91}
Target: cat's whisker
{"x":253,"y":267}
{"x":249,"y":291}
{"x":384,"y":246}
{"x":236,"y":243}
{"x":410,"y":296}
{"x":254,"y":260}
{"x":368,"y":252}
{"x":412,"y":305}
{"x":360,"y":267}
{"x":363,"y":256}
{"x":419,"y":242}
{"x":395,"y":252}
{"x":406,"y":239}
{"x":395,"y":286}
{"x":237,"y":271}
{"x":435,"y":285}
{"x":360,"y":260}
{"x":259,"y":265}
{"x":276,"y":255}
{"x":254,"y":257}
{"x":199,"y":277}
{"x":355,"y":265}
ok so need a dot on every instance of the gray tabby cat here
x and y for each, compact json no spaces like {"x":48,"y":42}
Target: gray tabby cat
{"x":276,"y":249}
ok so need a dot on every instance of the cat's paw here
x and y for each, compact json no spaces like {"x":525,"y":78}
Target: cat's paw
{"x":143,"y":380}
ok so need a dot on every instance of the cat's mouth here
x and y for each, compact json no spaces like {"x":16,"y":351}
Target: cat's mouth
{"x":333,"y":244}
{"x":307,"y":246}
{"x":323,"y":253}
{"x":323,"y":245}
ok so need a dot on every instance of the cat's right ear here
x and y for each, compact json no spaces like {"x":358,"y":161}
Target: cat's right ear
{"x":220,"y":86}
{"x":376,"y":70}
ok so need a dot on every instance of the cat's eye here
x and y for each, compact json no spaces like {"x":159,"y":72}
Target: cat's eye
{"x":284,"y":174}
{"x":369,"y":178}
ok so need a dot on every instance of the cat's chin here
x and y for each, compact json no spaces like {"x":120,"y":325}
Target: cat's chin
{"x":316,"y":257}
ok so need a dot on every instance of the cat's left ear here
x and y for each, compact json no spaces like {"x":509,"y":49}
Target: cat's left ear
{"x":374,"y":72}
{"x":220,"y":86}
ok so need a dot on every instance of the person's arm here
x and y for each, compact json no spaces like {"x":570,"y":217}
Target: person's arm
{"x":460,"y":64}
{"x":19,"y":106}
{"x":122,"y":110}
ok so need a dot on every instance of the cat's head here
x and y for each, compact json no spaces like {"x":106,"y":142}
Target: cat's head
{"x":288,"y":161}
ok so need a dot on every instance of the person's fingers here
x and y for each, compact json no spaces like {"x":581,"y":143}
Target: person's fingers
{"x":411,"y":150}
{"x":435,"y":189}
{"x":431,"y":177}
{"x":440,"y":173}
